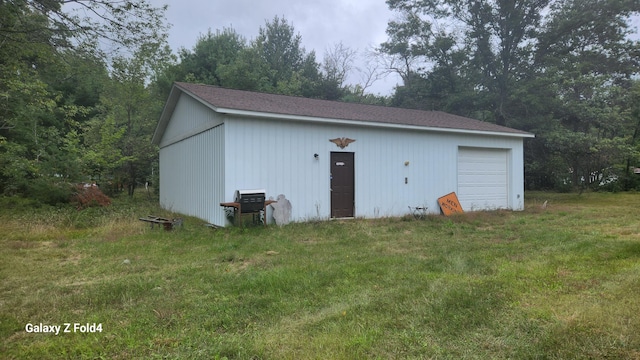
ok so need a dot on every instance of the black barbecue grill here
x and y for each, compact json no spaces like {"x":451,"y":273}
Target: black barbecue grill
{"x":249,"y":202}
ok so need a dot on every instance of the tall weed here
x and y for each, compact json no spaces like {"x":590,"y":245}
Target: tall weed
{"x":553,"y":282}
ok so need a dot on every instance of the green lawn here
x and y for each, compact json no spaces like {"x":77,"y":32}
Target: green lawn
{"x":555,"y":283}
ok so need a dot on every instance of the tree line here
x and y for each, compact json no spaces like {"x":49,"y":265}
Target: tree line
{"x":82,"y":83}
{"x":566,"y":70}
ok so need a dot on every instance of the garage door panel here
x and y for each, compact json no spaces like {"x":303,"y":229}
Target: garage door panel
{"x":483,"y":178}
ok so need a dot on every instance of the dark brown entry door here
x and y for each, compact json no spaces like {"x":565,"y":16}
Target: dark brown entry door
{"x":342,"y":184}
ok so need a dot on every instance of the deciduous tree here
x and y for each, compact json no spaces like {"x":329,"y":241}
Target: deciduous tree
{"x":558,"y":68}
{"x":54,"y":60}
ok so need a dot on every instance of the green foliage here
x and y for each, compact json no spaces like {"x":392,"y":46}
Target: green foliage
{"x":71,"y":112}
{"x":274,"y":62}
{"x":281,"y":50}
{"x":211,"y":55}
{"x":561,"y":69}
{"x":104,"y":154}
{"x":123,"y":152}
{"x":54,"y":82}
{"x":247,"y":73}
{"x":475,"y":49}
{"x":49,"y":191}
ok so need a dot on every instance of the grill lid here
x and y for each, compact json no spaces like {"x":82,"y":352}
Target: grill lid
{"x":254,"y":191}
{"x":250,"y":200}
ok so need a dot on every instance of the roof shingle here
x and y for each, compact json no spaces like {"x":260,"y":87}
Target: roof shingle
{"x":298,"y":106}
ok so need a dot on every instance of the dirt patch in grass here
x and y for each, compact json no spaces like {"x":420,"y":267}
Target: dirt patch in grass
{"x":31,"y":244}
{"x":22,"y":244}
{"x":309,"y":240}
{"x":239,"y":265}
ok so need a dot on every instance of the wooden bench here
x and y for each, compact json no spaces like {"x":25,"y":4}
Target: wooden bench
{"x":168,"y":224}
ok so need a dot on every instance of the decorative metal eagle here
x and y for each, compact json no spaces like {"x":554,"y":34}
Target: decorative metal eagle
{"x":342,"y":142}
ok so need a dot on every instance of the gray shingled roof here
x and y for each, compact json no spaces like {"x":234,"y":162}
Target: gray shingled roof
{"x":298,"y":106}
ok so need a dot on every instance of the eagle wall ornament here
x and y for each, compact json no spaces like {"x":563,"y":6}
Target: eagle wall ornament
{"x":342,"y":142}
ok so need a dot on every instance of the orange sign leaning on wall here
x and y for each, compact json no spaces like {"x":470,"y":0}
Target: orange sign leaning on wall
{"x":449,"y":204}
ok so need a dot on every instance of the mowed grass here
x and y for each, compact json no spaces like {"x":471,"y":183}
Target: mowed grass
{"x":555,"y":283}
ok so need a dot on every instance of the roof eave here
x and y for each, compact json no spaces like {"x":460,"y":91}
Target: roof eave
{"x":261,"y":114}
{"x":170,"y":106}
{"x":165,"y":116}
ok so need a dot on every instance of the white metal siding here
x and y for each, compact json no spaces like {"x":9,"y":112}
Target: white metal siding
{"x":278,"y":156}
{"x":483,"y":178}
{"x":190,"y":118}
{"x":192,"y":162}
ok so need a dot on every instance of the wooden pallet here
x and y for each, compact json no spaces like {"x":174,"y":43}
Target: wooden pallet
{"x":168,"y":224}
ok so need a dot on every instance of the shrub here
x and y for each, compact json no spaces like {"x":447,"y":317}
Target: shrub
{"x":46,"y":191}
{"x":89,"y":196}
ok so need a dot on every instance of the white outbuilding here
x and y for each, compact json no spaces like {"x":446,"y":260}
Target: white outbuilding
{"x":329,"y":159}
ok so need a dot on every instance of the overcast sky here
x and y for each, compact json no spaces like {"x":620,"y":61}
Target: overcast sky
{"x":358,"y":24}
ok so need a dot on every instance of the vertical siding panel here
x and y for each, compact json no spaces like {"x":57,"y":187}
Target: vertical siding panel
{"x":189,"y":118}
{"x":192,"y":162}
{"x":192,"y":176}
{"x":201,"y":171}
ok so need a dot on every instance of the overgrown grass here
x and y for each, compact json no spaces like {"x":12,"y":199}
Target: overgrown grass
{"x":555,"y":283}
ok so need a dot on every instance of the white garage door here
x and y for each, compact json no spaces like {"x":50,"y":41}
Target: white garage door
{"x":483,"y":178}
